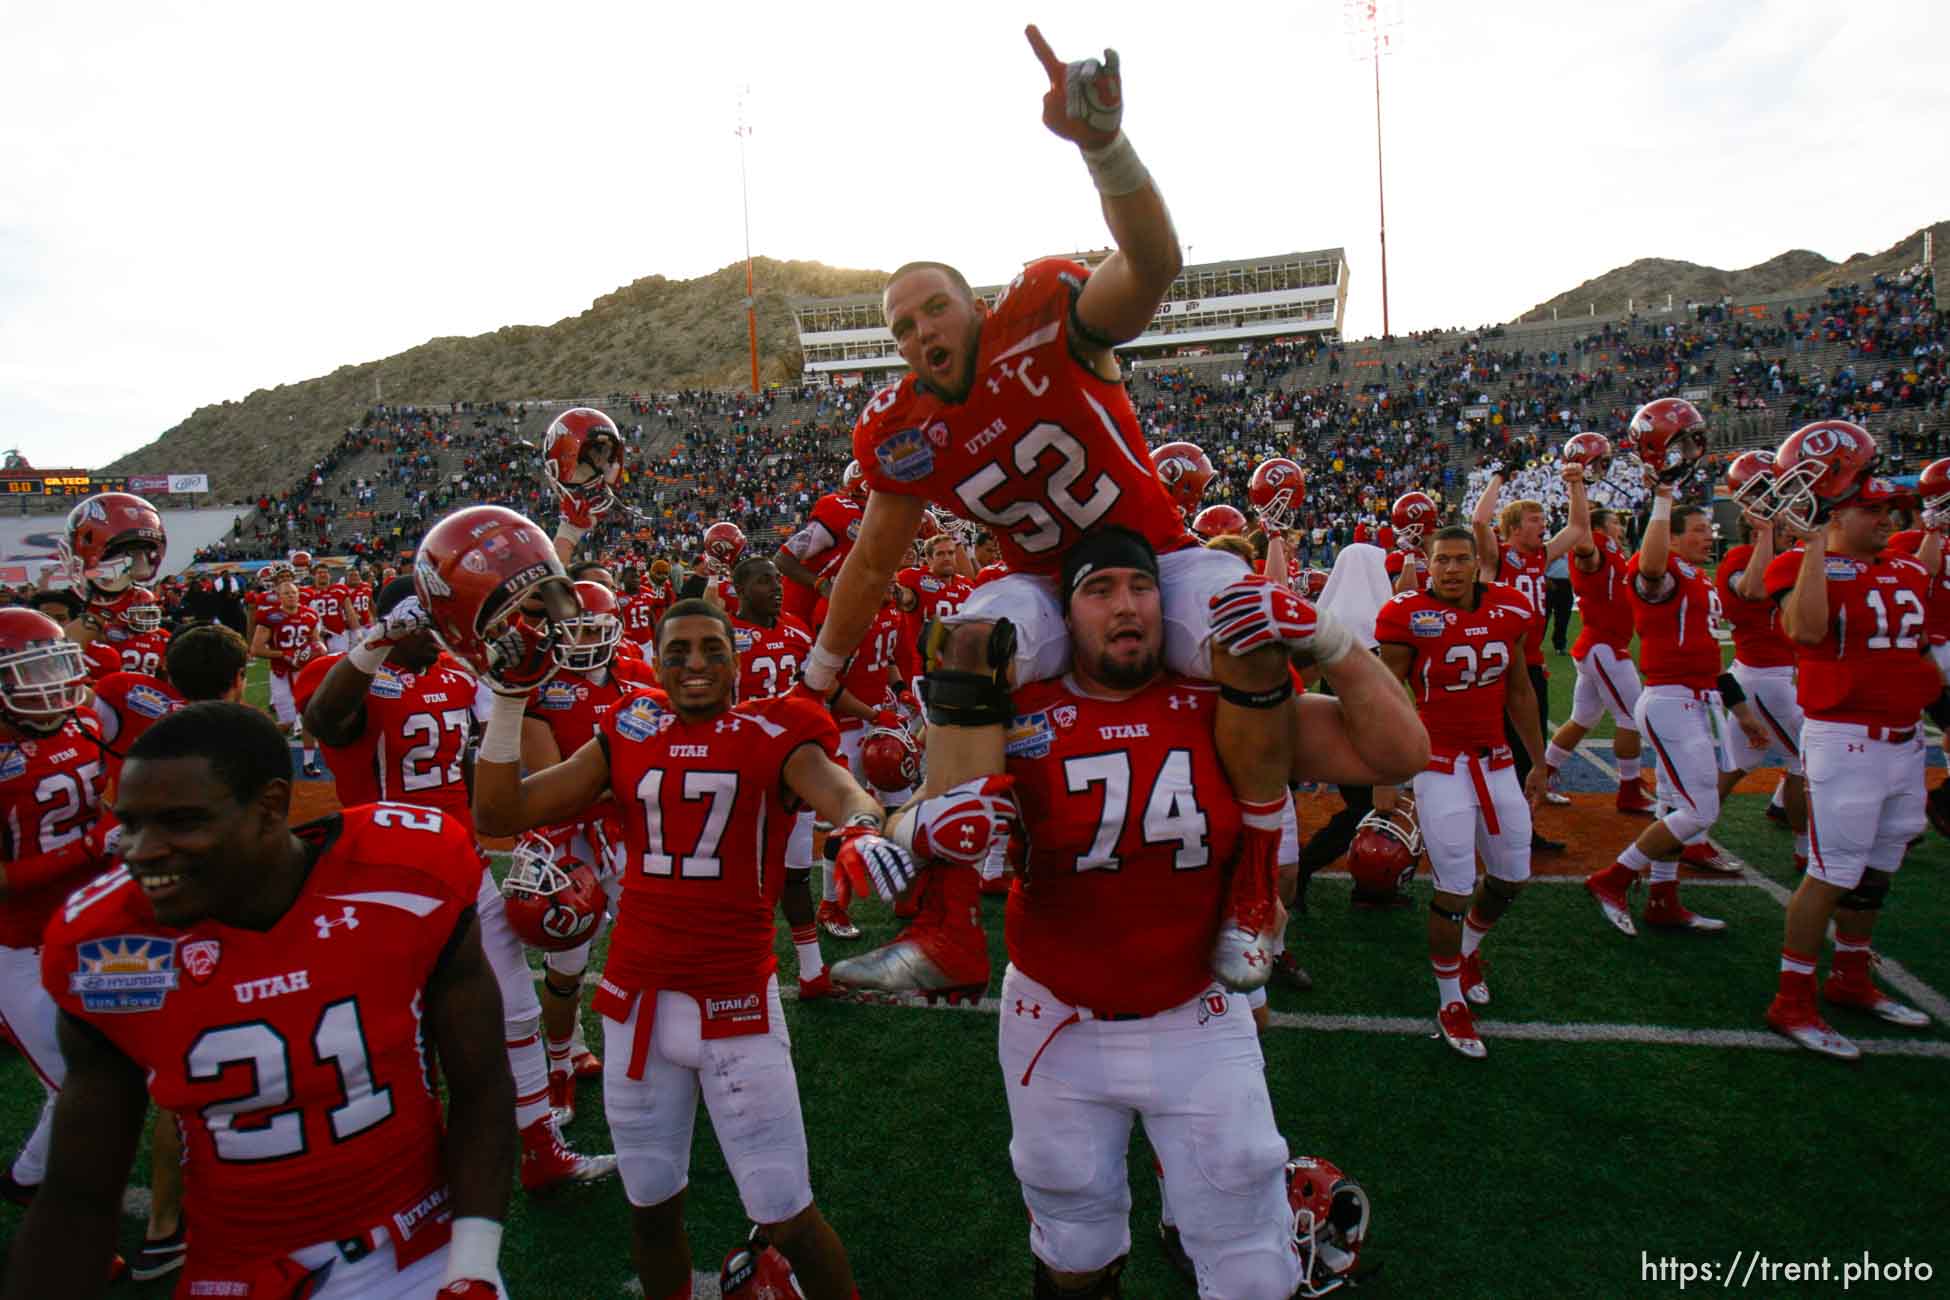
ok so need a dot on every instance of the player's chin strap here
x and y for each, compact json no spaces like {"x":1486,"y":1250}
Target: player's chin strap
{"x":960,"y":698}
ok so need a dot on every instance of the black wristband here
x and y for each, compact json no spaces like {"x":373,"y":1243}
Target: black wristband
{"x":1730,"y":692}
{"x":1258,"y":699}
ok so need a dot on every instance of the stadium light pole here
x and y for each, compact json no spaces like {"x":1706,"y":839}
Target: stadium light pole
{"x":1372,"y":28}
{"x":745,"y":197}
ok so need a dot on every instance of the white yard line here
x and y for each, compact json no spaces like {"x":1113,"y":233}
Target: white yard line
{"x":1893,"y":972}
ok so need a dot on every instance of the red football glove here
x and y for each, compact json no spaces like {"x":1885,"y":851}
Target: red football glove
{"x":1254,"y":611}
{"x":871,"y":861}
{"x":959,"y":824}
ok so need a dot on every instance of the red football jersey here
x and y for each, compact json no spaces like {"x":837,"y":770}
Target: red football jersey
{"x":825,"y":541}
{"x":572,"y":706}
{"x":1043,"y":449}
{"x":126,"y":705}
{"x":933,"y":598}
{"x":1525,"y":570}
{"x":1757,"y":638}
{"x":769,"y":657}
{"x":417,"y":728}
{"x":1676,"y":642}
{"x":295,"y":1058}
{"x":1936,"y":624}
{"x":358,"y":598}
{"x":1131,"y":825}
{"x":872,"y":667}
{"x":350,"y":765}
{"x":104,"y":657}
{"x":639,"y":614}
{"x":1870,"y":666}
{"x":292,"y":637}
{"x":1294,"y":570}
{"x":1604,"y":613}
{"x":144,"y":654}
{"x":1459,"y":673}
{"x":1396,"y":559}
{"x":50,"y":793}
{"x":706,"y":816}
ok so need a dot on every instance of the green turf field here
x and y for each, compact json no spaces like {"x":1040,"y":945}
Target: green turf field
{"x":1632,"y":1106}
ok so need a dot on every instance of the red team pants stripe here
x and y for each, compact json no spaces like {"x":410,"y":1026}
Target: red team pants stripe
{"x":1671,"y":771}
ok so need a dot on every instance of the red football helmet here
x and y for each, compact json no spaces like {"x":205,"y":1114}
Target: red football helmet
{"x":549,"y":908}
{"x":43,"y":675}
{"x":589,"y":639}
{"x":890,"y":759}
{"x":582,"y":457}
{"x":1278,"y":489}
{"x":724,"y":542}
{"x":272,"y":574}
{"x":853,"y":481}
{"x":1751,"y":476}
{"x":1185,"y":470}
{"x":496,"y":593}
{"x":1316,"y":580}
{"x":757,"y":1271}
{"x":1819,"y":469}
{"x":1933,"y":487}
{"x":1591,"y":450}
{"x":1330,"y":1221}
{"x":1385,"y":849}
{"x":1669,"y":434}
{"x":930,"y":528}
{"x":113,"y":541}
{"x":1414,"y":516}
{"x":1219,"y":521}
{"x":140,"y":610}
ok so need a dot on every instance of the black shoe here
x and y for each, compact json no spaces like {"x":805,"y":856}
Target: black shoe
{"x":1776,"y":813}
{"x":1538,"y":844}
{"x":1175,"y":1251}
{"x":159,"y":1256}
{"x":12,"y":1189}
{"x":1291,"y":973}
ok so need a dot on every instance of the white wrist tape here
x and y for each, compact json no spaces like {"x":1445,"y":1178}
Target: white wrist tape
{"x":501,"y":740}
{"x":1115,"y":168}
{"x":1331,"y":639}
{"x":568,"y":532}
{"x":475,"y":1251}
{"x":366,"y":657}
{"x":1662,"y":508}
{"x":823,"y":669}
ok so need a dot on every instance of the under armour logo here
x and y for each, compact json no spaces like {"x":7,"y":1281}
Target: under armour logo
{"x":1183,"y":702}
{"x":967,"y":836}
{"x":727,"y":724}
{"x":1858,"y":749}
{"x":1034,"y":1011}
{"x":350,"y":920}
{"x":1255,"y":958}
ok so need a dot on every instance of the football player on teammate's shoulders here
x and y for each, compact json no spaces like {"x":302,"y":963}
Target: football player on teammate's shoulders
{"x":402,"y":715}
{"x":1856,"y":615}
{"x":1512,"y":551}
{"x":1459,"y":646}
{"x":689,"y":997}
{"x":1017,"y":416}
{"x":352,"y":963}
{"x":1131,"y":828}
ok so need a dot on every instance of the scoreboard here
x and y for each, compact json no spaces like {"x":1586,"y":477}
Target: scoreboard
{"x":59,"y":483}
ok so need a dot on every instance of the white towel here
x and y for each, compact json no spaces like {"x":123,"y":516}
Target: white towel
{"x":1358,"y":588}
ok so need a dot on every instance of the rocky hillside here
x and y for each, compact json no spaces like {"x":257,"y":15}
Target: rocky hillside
{"x":1650,"y":279}
{"x":650,"y":336}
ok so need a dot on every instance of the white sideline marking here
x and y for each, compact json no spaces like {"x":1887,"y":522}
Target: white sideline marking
{"x":1893,"y":972}
{"x":1535,"y":879}
{"x":1540,"y":1031}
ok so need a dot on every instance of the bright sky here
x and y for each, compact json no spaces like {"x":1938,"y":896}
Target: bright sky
{"x":201,"y":199}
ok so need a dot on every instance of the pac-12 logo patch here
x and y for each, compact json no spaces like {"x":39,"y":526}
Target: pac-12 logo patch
{"x":200,"y":958}
{"x":1426,"y":622}
{"x":906,"y":456}
{"x":125,"y":972}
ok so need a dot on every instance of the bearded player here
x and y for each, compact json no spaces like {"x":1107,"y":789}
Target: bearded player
{"x":1857,"y":617}
{"x":317,"y":1157}
{"x":409,"y":717}
{"x":1017,"y":417}
{"x":1130,"y":824}
{"x":1459,"y":647}
{"x":1511,"y":550}
{"x":1607,"y":676}
{"x":689,"y":994}
{"x":1674,"y":609}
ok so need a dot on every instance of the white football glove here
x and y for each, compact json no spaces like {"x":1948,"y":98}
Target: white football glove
{"x":960,"y":824}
